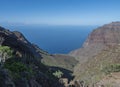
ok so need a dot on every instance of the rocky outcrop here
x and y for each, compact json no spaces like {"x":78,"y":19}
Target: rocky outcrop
{"x":106,"y":35}
{"x":18,"y":42}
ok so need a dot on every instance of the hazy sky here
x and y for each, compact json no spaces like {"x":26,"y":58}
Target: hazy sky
{"x":60,"y":12}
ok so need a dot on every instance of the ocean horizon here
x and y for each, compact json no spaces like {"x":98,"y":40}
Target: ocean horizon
{"x":55,"y":39}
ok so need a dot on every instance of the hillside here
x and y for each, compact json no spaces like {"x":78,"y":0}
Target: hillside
{"x":98,"y":39}
{"x":100,"y":50}
{"x":93,"y":70}
{"x":60,"y":60}
{"x":23,"y":64}
{"x":57,"y":60}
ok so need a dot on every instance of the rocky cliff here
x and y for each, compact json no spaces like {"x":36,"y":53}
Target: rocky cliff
{"x":101,"y":49}
{"x":98,"y":39}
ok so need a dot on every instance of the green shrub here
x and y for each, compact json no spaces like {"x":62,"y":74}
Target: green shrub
{"x":5,"y":53}
{"x":58,"y":74}
{"x":17,"y":68}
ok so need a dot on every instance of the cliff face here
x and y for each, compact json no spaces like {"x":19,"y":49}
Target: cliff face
{"x":107,"y":35}
{"x":101,"y":49}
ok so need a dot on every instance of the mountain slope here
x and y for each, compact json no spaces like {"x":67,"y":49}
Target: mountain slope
{"x":100,"y":50}
{"x":99,"y":38}
{"x":57,"y":60}
{"x":60,"y":60}
{"x":25,"y":69}
{"x":93,"y":70}
{"x":23,"y":48}
{"x":18,"y":42}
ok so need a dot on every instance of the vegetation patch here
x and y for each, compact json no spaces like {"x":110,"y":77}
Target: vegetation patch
{"x":18,"y":69}
{"x":58,"y":74}
{"x":5,"y":53}
{"x":112,"y":68}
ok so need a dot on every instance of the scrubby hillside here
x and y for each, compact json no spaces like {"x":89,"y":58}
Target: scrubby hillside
{"x":57,"y":60}
{"x":25,"y":72}
{"x":21,"y":66}
{"x":60,"y":60}
{"x":99,"y":66}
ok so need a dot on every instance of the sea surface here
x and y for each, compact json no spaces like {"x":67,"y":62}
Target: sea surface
{"x":55,"y":39}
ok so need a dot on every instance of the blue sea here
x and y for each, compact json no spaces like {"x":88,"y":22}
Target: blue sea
{"x":55,"y":39}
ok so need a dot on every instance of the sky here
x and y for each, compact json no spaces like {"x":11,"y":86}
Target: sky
{"x":59,"y":12}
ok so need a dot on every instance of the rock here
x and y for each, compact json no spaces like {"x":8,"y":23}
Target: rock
{"x":64,"y":81}
{"x":33,"y":83}
{"x":18,"y":42}
{"x":5,"y":79}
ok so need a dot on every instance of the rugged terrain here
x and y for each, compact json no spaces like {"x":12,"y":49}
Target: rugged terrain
{"x":98,"y":62}
{"x":94,"y":69}
{"x":98,"y":39}
{"x":26,"y":65}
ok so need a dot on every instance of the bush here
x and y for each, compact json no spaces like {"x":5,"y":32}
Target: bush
{"x":17,"y":68}
{"x":5,"y":53}
{"x":58,"y":74}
